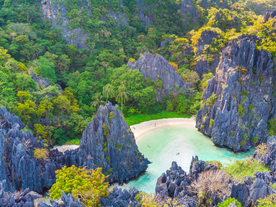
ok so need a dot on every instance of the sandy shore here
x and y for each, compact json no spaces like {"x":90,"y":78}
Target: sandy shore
{"x":144,"y":127}
{"x":63,"y":148}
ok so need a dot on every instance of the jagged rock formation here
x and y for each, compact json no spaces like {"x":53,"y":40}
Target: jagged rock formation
{"x":41,"y":80}
{"x":268,"y":15}
{"x":68,"y":201}
{"x":19,"y":199}
{"x":119,"y":197}
{"x":239,"y":100}
{"x":189,"y":12}
{"x":108,"y":142}
{"x":202,"y":66}
{"x":56,"y":13}
{"x":147,"y":20}
{"x":19,"y":167}
{"x":157,"y":67}
{"x":175,"y":182}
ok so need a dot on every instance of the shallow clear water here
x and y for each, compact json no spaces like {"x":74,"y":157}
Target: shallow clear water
{"x":161,"y":146}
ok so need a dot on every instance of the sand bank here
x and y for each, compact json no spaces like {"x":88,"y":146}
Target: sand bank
{"x":63,"y":148}
{"x":144,"y":127}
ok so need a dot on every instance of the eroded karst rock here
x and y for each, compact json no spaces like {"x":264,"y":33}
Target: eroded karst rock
{"x":157,"y":67}
{"x":109,"y":143}
{"x":238,"y":101}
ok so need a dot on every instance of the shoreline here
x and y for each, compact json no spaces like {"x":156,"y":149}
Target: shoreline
{"x":139,"y":129}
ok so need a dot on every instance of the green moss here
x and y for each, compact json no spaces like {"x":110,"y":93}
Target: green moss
{"x":244,"y":93}
{"x":211,"y":100}
{"x":105,"y":129}
{"x":105,"y":146}
{"x":232,"y":133}
{"x":241,"y":110}
{"x":211,"y":123}
{"x":119,"y":146}
{"x":255,"y":139}
{"x":111,"y":116}
{"x":107,"y":159}
{"x":261,"y":79}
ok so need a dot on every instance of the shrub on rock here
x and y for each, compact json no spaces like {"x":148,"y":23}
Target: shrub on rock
{"x":87,"y":185}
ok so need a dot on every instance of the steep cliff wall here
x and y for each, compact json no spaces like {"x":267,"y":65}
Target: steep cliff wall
{"x":157,"y":67}
{"x":108,"y":142}
{"x":56,"y":12}
{"x":239,"y":100}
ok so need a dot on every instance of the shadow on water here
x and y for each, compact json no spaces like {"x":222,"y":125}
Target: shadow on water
{"x":177,"y":143}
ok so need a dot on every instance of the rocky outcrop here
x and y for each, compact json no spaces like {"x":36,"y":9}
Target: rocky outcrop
{"x":202,"y":65}
{"x":118,"y":197}
{"x":238,"y":100}
{"x":109,"y":143}
{"x":189,"y":12}
{"x":146,"y":19}
{"x":41,"y":80}
{"x":157,"y":67}
{"x":68,"y":201}
{"x":175,"y":182}
{"x":268,"y":15}
{"x":19,"y":199}
{"x":20,"y":168}
{"x":56,"y":12}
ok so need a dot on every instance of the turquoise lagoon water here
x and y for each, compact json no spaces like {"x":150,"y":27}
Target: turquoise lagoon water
{"x":162,"y":145}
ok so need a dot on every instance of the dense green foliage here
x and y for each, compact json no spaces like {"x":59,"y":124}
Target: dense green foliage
{"x":228,"y":201}
{"x":245,"y":168}
{"x":88,"y":185}
{"x":89,"y":77}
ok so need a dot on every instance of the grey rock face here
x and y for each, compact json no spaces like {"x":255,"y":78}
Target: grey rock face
{"x":175,"y":182}
{"x":20,"y":199}
{"x":41,"y":80}
{"x":202,"y":66}
{"x":56,"y":13}
{"x":68,"y":201}
{"x":189,"y":12}
{"x":147,"y":20}
{"x":157,"y":67}
{"x":108,"y":142}
{"x":19,"y":167}
{"x":119,"y":198}
{"x":244,"y":97}
{"x":268,"y":15}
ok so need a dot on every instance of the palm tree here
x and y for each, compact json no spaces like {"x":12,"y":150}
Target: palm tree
{"x":122,"y":96}
{"x":97,"y":100}
{"x":108,"y":91}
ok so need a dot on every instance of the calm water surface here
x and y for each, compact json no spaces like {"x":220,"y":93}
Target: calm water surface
{"x":162,"y":145}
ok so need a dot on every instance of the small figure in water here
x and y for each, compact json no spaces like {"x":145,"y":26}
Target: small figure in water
{"x":148,"y":146}
{"x":178,"y":153}
{"x":155,"y":125}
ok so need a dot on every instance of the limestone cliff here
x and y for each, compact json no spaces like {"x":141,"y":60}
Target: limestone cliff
{"x":109,"y":143}
{"x":56,"y":13}
{"x":239,"y":100}
{"x":157,"y":67}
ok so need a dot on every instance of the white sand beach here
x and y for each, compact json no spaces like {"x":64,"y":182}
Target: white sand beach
{"x":144,"y":127}
{"x":63,"y":148}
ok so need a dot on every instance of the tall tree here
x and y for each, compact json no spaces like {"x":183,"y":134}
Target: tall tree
{"x":123,"y":95}
{"x":97,"y":100}
{"x":108,"y":91}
